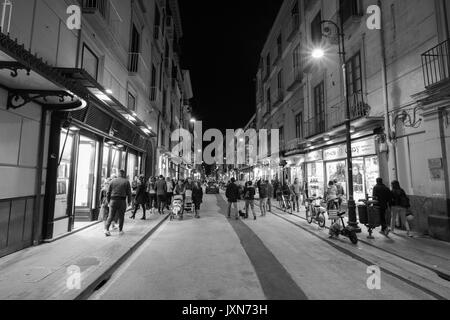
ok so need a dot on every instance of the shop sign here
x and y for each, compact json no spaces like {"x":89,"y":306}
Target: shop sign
{"x":359,"y":149}
{"x":314,"y":156}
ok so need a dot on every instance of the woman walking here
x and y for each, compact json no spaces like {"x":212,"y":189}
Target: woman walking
{"x":399,"y":207}
{"x":151,"y":190}
{"x":180,"y":190}
{"x":197,"y":198}
{"x":141,"y":197}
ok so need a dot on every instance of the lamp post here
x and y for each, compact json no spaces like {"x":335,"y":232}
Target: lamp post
{"x":318,"y":54}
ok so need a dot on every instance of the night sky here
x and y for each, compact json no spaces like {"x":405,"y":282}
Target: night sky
{"x":221,"y":45}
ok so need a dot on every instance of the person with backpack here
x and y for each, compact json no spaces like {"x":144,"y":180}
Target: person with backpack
{"x":249,"y":197}
{"x":399,"y":207}
{"x":383,"y":195}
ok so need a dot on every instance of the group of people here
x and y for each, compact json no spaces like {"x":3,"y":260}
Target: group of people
{"x":155,"y":195}
{"x":393,"y":201}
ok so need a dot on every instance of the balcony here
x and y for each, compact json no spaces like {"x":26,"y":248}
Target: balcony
{"x":137,"y":65}
{"x":96,"y":6}
{"x":154,"y":94}
{"x":315,"y":126}
{"x":294,"y":26}
{"x":436,"y":65}
{"x":358,"y":109}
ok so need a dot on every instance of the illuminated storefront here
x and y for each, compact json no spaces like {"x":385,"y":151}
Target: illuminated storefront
{"x":81,"y":159}
{"x":330,"y":164}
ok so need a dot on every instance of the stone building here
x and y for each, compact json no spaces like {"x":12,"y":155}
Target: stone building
{"x":396,"y":81}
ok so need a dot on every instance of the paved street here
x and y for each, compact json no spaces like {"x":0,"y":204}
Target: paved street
{"x":275,"y":257}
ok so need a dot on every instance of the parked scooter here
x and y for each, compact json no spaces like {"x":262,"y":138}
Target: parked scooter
{"x":339,"y":228}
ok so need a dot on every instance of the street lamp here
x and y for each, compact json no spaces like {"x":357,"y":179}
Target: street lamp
{"x":318,"y":53}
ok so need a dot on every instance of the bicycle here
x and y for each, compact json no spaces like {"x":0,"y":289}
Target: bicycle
{"x":315,"y":212}
{"x":285,"y":203}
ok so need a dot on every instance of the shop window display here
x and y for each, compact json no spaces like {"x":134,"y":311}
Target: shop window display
{"x":63,"y":180}
{"x":315,"y":179}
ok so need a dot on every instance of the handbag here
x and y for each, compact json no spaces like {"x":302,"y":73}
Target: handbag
{"x":409,"y":215}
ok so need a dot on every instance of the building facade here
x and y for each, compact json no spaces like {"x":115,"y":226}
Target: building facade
{"x":78,"y":105}
{"x":396,"y":82}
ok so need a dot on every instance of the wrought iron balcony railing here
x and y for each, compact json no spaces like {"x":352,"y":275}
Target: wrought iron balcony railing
{"x":436,"y":64}
{"x":136,"y":64}
{"x":338,"y":114}
{"x":96,"y":5}
{"x":315,"y":126}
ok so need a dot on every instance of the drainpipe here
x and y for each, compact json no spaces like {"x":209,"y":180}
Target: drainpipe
{"x":392,"y":153}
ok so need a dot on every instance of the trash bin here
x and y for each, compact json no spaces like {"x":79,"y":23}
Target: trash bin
{"x":362,"y":213}
{"x":374,"y":216}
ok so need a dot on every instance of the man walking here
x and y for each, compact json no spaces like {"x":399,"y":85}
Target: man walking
{"x":383,"y":195}
{"x":263,"y":195}
{"x":119,"y":194}
{"x":161,"y":190}
{"x":296,"y":191}
{"x":269,"y":194}
{"x":249,"y":197}
{"x":232,"y":194}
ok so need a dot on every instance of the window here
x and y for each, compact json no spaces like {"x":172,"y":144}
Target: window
{"x":280,"y":85}
{"x":354,"y":75}
{"x":157,"y":22}
{"x":281,"y":131}
{"x":268,"y":65}
{"x":296,"y":62}
{"x":280,"y":46}
{"x":295,"y":14}
{"x":316,"y":29}
{"x":131,"y":102}
{"x":299,"y":126}
{"x":319,"y":107}
{"x":348,"y":8}
{"x":164,"y":102}
{"x":89,"y":62}
{"x":269,"y":101}
{"x":153,"y":84}
{"x":163,"y":137}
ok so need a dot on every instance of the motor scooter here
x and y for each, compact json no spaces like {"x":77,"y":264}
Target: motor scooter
{"x":339,"y":228}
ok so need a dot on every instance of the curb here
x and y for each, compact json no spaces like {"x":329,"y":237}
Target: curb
{"x":106,"y":275}
{"x":442,"y":274}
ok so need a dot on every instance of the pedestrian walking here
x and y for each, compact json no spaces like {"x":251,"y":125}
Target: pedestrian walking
{"x":119,"y":194}
{"x":270,"y":193}
{"x":197,"y":198}
{"x":383,"y":195}
{"x":161,"y":190}
{"x":400,"y":205}
{"x":152,"y":199}
{"x":296,"y":191}
{"x":263,"y":196}
{"x":249,"y":198}
{"x":169,"y":194}
{"x":104,"y":209}
{"x":140,"y":198}
{"x":232,"y":194}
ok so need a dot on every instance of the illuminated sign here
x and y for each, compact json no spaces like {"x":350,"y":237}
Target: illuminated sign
{"x":359,"y":149}
{"x":314,"y":156}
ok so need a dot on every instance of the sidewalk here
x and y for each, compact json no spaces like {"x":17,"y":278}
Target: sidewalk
{"x":41,"y":273}
{"x":425,"y":251}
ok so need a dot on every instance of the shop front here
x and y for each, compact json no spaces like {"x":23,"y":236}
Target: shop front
{"x":330,"y":164}
{"x":82,"y":156}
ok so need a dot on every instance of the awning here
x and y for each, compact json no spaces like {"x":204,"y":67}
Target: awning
{"x":28,"y":78}
{"x":98,"y":93}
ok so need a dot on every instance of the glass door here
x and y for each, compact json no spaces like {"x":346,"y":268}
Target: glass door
{"x":63,"y":179}
{"x":86,"y":179}
{"x":359,"y":183}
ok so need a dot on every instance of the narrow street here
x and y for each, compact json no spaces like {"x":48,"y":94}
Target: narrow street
{"x":277,"y":257}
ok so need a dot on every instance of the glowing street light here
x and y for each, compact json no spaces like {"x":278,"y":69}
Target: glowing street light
{"x":193,"y":120}
{"x":318,"y":53}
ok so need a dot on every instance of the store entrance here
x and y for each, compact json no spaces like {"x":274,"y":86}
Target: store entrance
{"x":85,"y":185}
